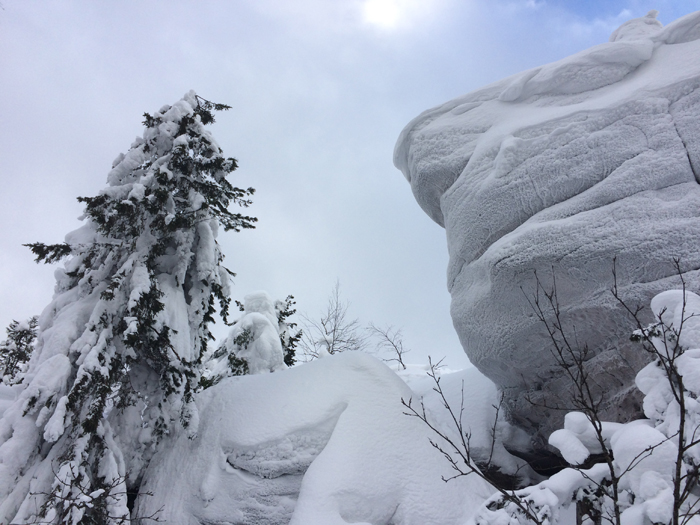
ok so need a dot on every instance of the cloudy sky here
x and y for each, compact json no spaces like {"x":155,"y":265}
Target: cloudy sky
{"x":320,"y":90}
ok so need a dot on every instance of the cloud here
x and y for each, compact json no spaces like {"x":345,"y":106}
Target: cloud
{"x":319,"y":92}
{"x":395,"y":14}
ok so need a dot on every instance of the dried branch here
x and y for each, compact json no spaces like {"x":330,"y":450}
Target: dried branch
{"x":390,"y":339}
{"x":334,"y":332}
{"x":460,"y":458}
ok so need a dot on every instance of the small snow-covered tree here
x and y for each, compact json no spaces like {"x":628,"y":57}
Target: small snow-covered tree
{"x":255,"y":344}
{"x":643,"y":472}
{"x":288,"y":336}
{"x":16,"y":350}
{"x":118,"y":353}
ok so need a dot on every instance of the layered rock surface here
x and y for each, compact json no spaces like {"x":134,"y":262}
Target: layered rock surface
{"x":560,"y":170}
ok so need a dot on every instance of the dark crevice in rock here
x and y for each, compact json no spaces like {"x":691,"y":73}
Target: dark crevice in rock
{"x":500,"y":479}
{"x":544,"y":462}
{"x":694,"y":169}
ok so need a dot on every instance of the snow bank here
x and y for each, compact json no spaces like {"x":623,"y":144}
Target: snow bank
{"x":566,"y":166}
{"x":322,"y":443}
{"x":483,"y":418}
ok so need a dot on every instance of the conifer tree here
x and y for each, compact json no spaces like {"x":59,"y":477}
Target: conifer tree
{"x":119,"y":349}
{"x":288,"y":337}
{"x":16,"y":350}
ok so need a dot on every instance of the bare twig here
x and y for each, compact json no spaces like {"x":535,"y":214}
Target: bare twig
{"x":390,"y":339}
{"x":459,"y":455}
{"x":571,"y":359}
{"x":334,"y":332}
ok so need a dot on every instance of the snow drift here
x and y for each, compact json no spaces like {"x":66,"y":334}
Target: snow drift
{"x":560,"y":169}
{"x":322,"y":443}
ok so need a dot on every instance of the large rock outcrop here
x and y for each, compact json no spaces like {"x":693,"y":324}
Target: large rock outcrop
{"x":560,"y":169}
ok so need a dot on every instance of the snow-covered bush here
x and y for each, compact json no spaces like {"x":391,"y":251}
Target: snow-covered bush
{"x":654,"y":463}
{"x":118,"y":353}
{"x":16,"y":350}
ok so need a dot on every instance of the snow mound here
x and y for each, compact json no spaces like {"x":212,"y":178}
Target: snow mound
{"x":322,"y":443}
{"x":560,"y":169}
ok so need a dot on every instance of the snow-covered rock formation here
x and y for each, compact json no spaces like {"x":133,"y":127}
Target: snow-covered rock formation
{"x":560,"y":169}
{"x":322,"y":443}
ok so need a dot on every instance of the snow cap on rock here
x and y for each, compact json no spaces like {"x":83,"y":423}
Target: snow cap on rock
{"x":638,"y":28}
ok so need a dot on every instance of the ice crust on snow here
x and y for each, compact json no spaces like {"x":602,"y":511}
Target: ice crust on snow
{"x":325,"y":442}
{"x":561,"y":168}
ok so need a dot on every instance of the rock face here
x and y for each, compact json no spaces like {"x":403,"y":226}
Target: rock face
{"x":560,"y":169}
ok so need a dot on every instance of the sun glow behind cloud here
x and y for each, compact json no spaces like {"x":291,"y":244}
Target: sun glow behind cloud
{"x":382,"y":13}
{"x":392,"y":14}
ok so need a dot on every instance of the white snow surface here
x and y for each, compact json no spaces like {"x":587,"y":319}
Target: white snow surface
{"x":482,"y":417}
{"x":7,"y":397}
{"x":561,"y":168}
{"x":321,"y":443}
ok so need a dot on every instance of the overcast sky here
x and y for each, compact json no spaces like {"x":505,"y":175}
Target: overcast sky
{"x":320,"y":90}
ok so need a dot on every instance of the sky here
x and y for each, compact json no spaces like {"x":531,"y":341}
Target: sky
{"x":319,"y":90}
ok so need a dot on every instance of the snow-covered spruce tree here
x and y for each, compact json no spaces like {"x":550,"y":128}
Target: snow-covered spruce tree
{"x":118,"y":352}
{"x":288,"y":337}
{"x":16,"y":350}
